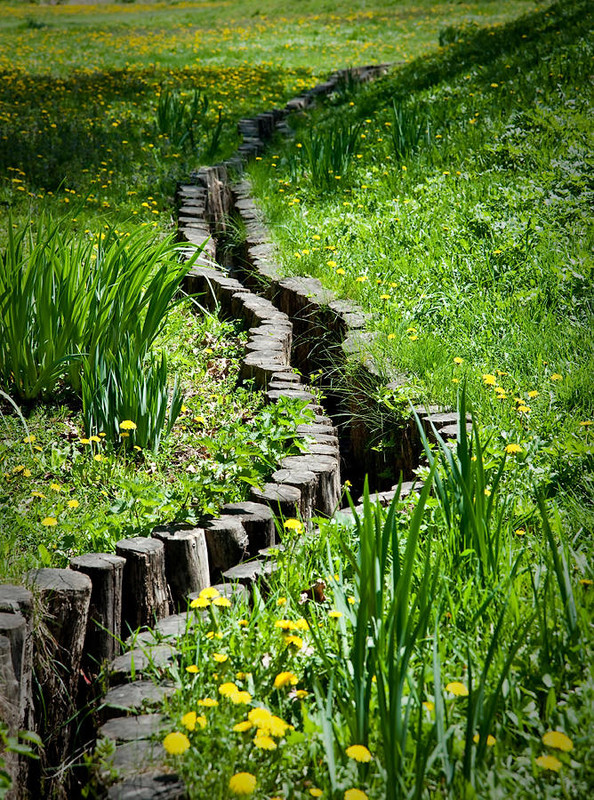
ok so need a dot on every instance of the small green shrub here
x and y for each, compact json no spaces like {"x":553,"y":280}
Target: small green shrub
{"x":179,"y":118}
{"x":64,"y":297}
{"x":325,"y":157}
{"x":408,"y":129}
{"x":127,"y":387}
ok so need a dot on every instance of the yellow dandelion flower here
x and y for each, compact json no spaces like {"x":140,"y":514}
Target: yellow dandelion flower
{"x":293,"y":525}
{"x":228,"y":688}
{"x":513,"y":448}
{"x":243,"y":726}
{"x":520,"y":532}
{"x":201,"y":721}
{"x":176,"y":743}
{"x":208,"y":702}
{"x":49,"y":522}
{"x":355,"y":794}
{"x":284,"y":624}
{"x":30,"y":439}
{"x":556,"y":377}
{"x":533,"y":394}
{"x":242,"y":783}
{"x":220,"y":658}
{"x":73,"y":504}
{"x":359,"y":752}
{"x":192,"y":669}
{"x":340,"y":271}
{"x":259,"y":716}
{"x":300,"y":694}
{"x":523,"y":409}
{"x":490,"y":739}
{"x":240,"y":698}
{"x":209,"y":593}
{"x":264,"y":742}
{"x":189,"y":720}
{"x":558,"y":740}
{"x":285,"y":679}
{"x":458,"y":360}
{"x":429,"y":705}
{"x":315,"y":792}
{"x":294,"y":641}
{"x":222,"y":602}
{"x":489,"y":380}
{"x":128,"y":425}
{"x":301,"y":624}
{"x":335,"y":614}
{"x":549,"y":762}
{"x":200,"y":602}
{"x":282,"y":601}
{"x":458,"y":689}
{"x":98,"y":457}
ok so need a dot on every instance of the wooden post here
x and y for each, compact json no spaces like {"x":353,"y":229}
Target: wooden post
{"x":16,"y":672}
{"x":65,"y":596}
{"x":186,"y":561}
{"x":144,"y":592}
{"x":105,"y":613}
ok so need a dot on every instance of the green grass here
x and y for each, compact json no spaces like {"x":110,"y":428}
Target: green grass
{"x":80,"y":87}
{"x":485,"y":583}
{"x":64,"y":493}
{"x":449,"y":685}
{"x":469,"y":240}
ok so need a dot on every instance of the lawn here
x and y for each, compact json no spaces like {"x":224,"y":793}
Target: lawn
{"x":438,"y":648}
{"x":102,"y":110}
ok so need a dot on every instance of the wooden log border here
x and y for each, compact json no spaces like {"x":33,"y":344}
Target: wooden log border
{"x":284,"y":316}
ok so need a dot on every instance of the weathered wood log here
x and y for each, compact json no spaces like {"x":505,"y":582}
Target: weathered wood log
{"x":227,"y":544}
{"x":258,"y":522}
{"x":144,"y":591}
{"x":9,"y":712}
{"x":132,"y":697}
{"x":9,"y":686}
{"x":306,"y":482}
{"x":14,"y":628}
{"x":284,"y":500}
{"x":18,"y":601}
{"x":186,"y":560}
{"x":65,"y":596}
{"x":159,"y":786}
{"x":104,"y":626}
{"x":327,"y":468}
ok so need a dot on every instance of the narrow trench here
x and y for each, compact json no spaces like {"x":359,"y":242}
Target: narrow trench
{"x":374,"y":443}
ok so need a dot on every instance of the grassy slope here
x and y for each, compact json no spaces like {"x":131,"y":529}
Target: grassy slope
{"x":79,"y":89}
{"x":78,"y":96}
{"x":476,"y":246}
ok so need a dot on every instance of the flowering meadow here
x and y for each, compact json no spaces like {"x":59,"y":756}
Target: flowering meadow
{"x":440,"y":647}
